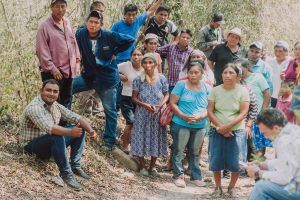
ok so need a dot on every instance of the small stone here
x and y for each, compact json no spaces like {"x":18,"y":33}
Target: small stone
{"x":128,"y":175}
{"x":58,"y":181}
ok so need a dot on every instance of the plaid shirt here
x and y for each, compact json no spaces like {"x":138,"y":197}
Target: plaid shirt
{"x":176,"y":60}
{"x":38,"y":119}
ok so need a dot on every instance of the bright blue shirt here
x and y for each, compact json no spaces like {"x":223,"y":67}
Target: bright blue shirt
{"x":129,"y":29}
{"x":191,"y":103}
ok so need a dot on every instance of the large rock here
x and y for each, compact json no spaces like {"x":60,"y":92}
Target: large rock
{"x":125,"y":160}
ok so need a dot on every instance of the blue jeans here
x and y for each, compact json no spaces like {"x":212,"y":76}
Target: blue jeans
{"x":108,"y":98}
{"x":241,"y":139}
{"x":53,"y":145}
{"x":266,"y":190}
{"x":192,"y":138}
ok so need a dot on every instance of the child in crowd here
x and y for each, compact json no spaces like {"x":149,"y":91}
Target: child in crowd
{"x":284,"y":101}
{"x":128,"y":72}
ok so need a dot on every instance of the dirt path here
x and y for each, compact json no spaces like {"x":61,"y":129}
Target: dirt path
{"x":164,"y":188}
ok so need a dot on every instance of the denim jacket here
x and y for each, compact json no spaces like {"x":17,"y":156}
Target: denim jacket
{"x":102,"y":66}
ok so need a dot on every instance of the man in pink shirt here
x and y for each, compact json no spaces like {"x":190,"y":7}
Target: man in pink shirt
{"x":57,"y":50}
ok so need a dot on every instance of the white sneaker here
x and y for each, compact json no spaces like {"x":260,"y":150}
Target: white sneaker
{"x":144,"y":172}
{"x":179,"y":182}
{"x":199,"y":183}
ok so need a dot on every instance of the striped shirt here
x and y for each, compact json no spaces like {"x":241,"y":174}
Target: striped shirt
{"x":253,"y":108}
{"x":38,"y":119}
{"x":176,"y":60}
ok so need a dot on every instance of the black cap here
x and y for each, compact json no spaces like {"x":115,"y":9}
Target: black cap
{"x":96,"y":14}
{"x":219,"y":18}
{"x":54,"y":1}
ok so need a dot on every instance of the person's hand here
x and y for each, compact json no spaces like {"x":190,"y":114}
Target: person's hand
{"x":214,"y":43}
{"x":57,"y":75}
{"x":93,"y":135}
{"x":123,"y":78}
{"x":157,"y":109}
{"x":188,"y":119}
{"x":194,"y":119}
{"x":282,"y":76}
{"x":248,"y":132}
{"x":150,"y":108}
{"x":223,"y":129}
{"x":76,"y":132}
{"x":77,"y":69}
{"x":228,"y":134}
{"x":251,"y":169}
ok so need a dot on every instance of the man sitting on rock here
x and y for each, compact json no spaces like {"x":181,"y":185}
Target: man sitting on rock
{"x":41,"y":134}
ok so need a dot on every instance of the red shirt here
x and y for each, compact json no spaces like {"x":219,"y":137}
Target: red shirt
{"x":284,"y":105}
{"x":57,"y":49}
{"x":290,"y":72}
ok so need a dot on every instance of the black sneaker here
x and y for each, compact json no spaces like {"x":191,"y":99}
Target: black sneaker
{"x":73,"y":183}
{"x":81,"y":173}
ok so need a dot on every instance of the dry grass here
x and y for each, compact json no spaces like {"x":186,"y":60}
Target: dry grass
{"x":26,"y":177}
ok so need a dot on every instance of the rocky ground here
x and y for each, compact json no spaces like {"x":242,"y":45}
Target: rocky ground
{"x":25,"y":177}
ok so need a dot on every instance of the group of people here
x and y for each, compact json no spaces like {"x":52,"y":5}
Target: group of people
{"x":219,"y":88}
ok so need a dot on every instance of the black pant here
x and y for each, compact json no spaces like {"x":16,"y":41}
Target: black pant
{"x":251,"y":149}
{"x":65,"y":84}
{"x":273,"y":102}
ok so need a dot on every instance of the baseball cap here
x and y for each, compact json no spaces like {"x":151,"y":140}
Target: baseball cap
{"x":219,"y":18}
{"x":282,"y":44}
{"x":256,"y":44}
{"x":96,"y":14}
{"x":54,"y":1}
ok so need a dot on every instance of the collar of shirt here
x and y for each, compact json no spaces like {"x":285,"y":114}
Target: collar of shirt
{"x":94,"y":38}
{"x":210,"y":28}
{"x":289,"y":129}
{"x":184,"y":49}
{"x":159,"y":26}
{"x":57,"y":24}
{"x":238,"y":50}
{"x":46,"y":106}
{"x":259,"y":64}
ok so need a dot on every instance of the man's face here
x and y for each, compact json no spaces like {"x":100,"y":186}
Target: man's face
{"x":269,"y":132}
{"x":50,"y":93}
{"x":280,"y":53}
{"x":184,"y":39}
{"x":130,"y":16}
{"x":254,"y":54}
{"x":215,"y":25}
{"x":93,"y":25}
{"x":59,"y":10}
{"x":233,"y":39}
{"x":161,"y":17}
